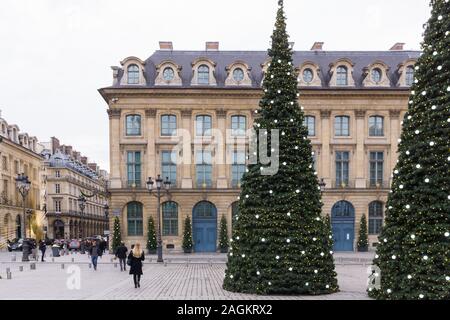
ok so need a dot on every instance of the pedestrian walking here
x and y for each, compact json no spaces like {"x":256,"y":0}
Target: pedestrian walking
{"x":42,"y":248}
{"x":135,"y":259}
{"x":94,"y":253}
{"x":121,"y":254}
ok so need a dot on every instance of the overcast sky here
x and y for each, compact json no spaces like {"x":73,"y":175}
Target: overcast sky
{"x":55,"y":54}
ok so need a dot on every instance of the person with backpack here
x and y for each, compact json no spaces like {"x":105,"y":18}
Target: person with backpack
{"x":135,"y":259}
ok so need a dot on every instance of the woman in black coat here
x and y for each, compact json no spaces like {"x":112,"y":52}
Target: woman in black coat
{"x":135,"y":259}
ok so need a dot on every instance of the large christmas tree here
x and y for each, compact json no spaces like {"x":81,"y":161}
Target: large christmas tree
{"x":280,"y":243}
{"x":414,"y":251}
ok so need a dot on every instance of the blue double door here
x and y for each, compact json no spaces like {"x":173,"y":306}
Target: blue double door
{"x":343,"y":226}
{"x":205,"y":227}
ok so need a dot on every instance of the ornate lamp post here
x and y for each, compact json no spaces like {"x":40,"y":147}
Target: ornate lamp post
{"x":160,"y":184}
{"x":82,"y":205}
{"x":23,"y":185}
{"x":106,"y":208}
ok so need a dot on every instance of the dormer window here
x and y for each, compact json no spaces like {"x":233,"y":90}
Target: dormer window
{"x":133,"y":74}
{"x":238,"y":74}
{"x":342,"y":76}
{"x":203,"y":74}
{"x":308,"y":75}
{"x":168,"y":74}
{"x":409,"y":76}
{"x":376,"y":75}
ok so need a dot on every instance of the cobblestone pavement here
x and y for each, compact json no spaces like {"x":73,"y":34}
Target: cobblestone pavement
{"x":200,"y":278}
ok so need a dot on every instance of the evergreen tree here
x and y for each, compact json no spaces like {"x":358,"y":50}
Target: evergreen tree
{"x":363,"y":241}
{"x":117,"y":236}
{"x":151,"y":236}
{"x":187,"y":236}
{"x":414,"y":251}
{"x":280,"y":243}
{"x":223,"y":236}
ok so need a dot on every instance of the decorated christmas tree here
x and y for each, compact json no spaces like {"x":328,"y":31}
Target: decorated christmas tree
{"x":280,"y":242}
{"x":223,"y":235}
{"x":117,"y":236}
{"x":151,"y":236}
{"x":187,"y":236}
{"x":363,"y":242}
{"x":413,"y":256}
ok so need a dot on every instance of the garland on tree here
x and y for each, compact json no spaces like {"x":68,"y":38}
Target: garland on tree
{"x":413,"y":255}
{"x":187,"y":236}
{"x":280,"y":243}
{"x":117,"y":236}
{"x":151,"y":236}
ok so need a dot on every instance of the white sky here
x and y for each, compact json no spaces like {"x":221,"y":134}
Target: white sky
{"x":55,"y":54}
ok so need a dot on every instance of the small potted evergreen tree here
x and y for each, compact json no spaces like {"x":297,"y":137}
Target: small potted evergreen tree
{"x":223,"y":237}
{"x":187,"y":236}
{"x":363,"y":242}
{"x":151,"y":236}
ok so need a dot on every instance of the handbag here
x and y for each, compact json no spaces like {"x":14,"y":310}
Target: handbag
{"x":129,"y":261}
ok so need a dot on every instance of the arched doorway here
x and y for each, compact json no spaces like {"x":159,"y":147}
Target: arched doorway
{"x":343,"y":225}
{"x":18,"y":227}
{"x":58,"y":229}
{"x":204,"y":227}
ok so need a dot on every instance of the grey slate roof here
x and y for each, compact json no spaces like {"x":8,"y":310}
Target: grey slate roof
{"x":254,"y":59}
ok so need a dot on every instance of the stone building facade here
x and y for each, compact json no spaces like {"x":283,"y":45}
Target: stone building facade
{"x":354,"y":102}
{"x":70,"y":175}
{"x":19,"y":154}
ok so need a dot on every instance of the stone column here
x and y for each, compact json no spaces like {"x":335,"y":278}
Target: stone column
{"x":360,"y":178}
{"x":394,"y":117}
{"x":326,"y":152}
{"x":114,"y":147}
{"x":220,"y":154}
{"x":186,"y":119}
{"x":151,"y":159}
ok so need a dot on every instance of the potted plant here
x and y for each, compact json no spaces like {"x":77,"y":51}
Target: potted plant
{"x":223,"y":237}
{"x":151,"y":236}
{"x":187,"y":236}
{"x":363,"y":242}
{"x":117,"y":236}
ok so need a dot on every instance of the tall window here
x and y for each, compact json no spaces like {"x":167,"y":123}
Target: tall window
{"x":203,"y":74}
{"x":342,"y":126}
{"x":133,"y":74}
{"x":310,"y":123}
{"x":238,"y":167}
{"x":342,"y":76}
{"x":342,"y":168}
{"x":4,"y":163}
{"x":203,"y":125}
{"x":204,"y":168}
{"x":134,"y":168}
{"x":376,"y":126}
{"x":168,"y":125}
{"x":376,"y":169}
{"x":57,"y":205}
{"x":169,"y":166}
{"x":57,"y":188}
{"x":134,"y":219}
{"x":238,"y":125}
{"x":409,"y":76}
{"x":170,"y":218}
{"x":57,"y":174}
{"x":133,"y":124}
{"x":375,"y":217}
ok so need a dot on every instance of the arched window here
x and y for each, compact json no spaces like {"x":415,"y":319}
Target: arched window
{"x":376,"y":75}
{"x":170,"y":218}
{"x":343,"y":209}
{"x":168,"y":74}
{"x":308,"y":75}
{"x":203,"y":74}
{"x":342,"y":76}
{"x":205,"y":210}
{"x":168,"y":124}
{"x":133,"y":74}
{"x":376,"y":126}
{"x":133,"y":125}
{"x":203,"y":125}
{"x":310,"y":123}
{"x":342,"y":126}
{"x":409,"y":76}
{"x":238,"y":74}
{"x":135,"y":219}
{"x":375,"y":217}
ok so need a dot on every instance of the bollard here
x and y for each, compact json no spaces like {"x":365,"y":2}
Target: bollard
{"x":73,"y":259}
{"x":21,"y":268}
{"x":8,"y":270}
{"x":13,"y":257}
{"x":62,"y":265}
{"x":53,"y":259}
{"x":33,"y":266}
{"x":8,"y":275}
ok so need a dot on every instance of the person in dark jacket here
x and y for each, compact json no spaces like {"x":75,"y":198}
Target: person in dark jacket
{"x":136,"y":257}
{"x":121,"y":254}
{"x":42,"y":247}
{"x":94,"y":252}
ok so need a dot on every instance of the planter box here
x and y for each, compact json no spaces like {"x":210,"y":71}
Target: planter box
{"x":152,"y":251}
{"x":187,"y":250}
{"x":363,"y":249}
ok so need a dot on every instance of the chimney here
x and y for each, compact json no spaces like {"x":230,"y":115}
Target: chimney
{"x":55,"y":144}
{"x":84,"y":160}
{"x":166,"y":45}
{"x":93,"y":166}
{"x":317,"y":46}
{"x":397,"y":46}
{"x":76,"y":155}
{"x":68,"y":150}
{"x":212,"y":46}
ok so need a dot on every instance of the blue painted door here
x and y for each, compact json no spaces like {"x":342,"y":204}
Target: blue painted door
{"x":343,"y":226}
{"x":205,"y":227}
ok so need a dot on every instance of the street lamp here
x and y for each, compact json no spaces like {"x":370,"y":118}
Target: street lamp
{"x":106,"y":208}
{"x":82,"y":205}
{"x":322,"y":185}
{"x":23,"y":185}
{"x":160,"y":184}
